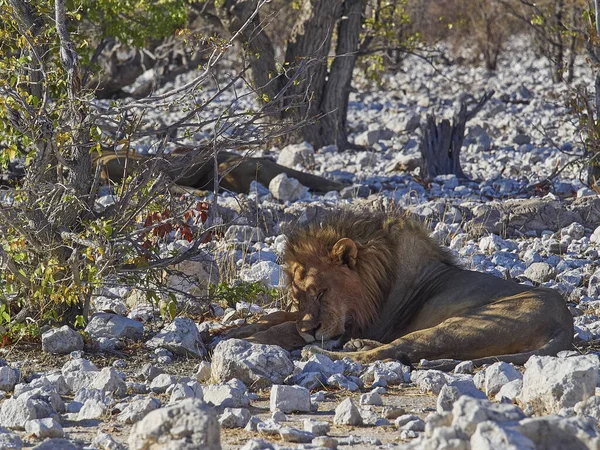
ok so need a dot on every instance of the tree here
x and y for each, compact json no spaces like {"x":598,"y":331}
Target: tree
{"x":56,"y":244}
{"x":316,"y":71}
{"x":554,"y":25}
{"x":442,"y":142}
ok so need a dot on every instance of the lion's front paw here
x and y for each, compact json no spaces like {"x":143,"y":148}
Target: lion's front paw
{"x":361,"y":345}
{"x":311,"y":350}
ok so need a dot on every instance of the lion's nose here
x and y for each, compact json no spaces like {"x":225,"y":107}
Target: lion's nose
{"x":307,"y":331}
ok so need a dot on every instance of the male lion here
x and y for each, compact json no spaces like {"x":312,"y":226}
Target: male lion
{"x":382,"y":286}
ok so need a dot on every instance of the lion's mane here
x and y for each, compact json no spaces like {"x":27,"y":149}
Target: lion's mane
{"x":389,"y":245}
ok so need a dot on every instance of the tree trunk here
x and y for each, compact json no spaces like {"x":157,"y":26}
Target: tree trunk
{"x":332,"y":127}
{"x":441,"y":142}
{"x":307,"y":51}
{"x":308,"y":90}
{"x":593,"y":167}
{"x":260,"y":51}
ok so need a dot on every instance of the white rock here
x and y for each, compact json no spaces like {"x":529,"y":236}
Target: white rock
{"x":325,"y":442}
{"x":290,"y":434}
{"x":278,"y":416}
{"x":452,"y":391}
{"x":347,"y":413}
{"x":410,"y":422}
{"x":234,"y":418}
{"x":43,"y":428}
{"x":558,"y":433}
{"x":464,"y":367}
{"x":342,"y":382}
{"x":179,"y":391}
{"x":289,"y":399}
{"x":267,"y":272}
{"x":92,"y":409}
{"x":8,"y":378}
{"x":162,"y":382}
{"x":510,"y":391}
{"x":575,"y":231}
{"x":104,"y":441}
{"x":10,"y":440}
{"x":316,"y":427}
{"x":371,"y":137}
{"x":371,"y":398}
{"x":14,"y":412}
{"x":229,"y":395}
{"x":138,"y":409}
{"x":302,"y":154}
{"x":108,"y":325}
{"x":194,"y":276}
{"x":468,"y":412}
{"x":286,"y":189}
{"x":540,"y":272}
{"x":244,"y":233}
{"x":85,"y":394}
{"x":256,"y":365}
{"x":492,"y":243}
{"x":387,"y":373}
{"x":430,"y":380}
{"x":257,"y":444}
{"x":494,"y":436}
{"x":180,"y":337}
{"x":594,"y":284}
{"x":550,"y":383}
{"x":109,"y":380}
{"x":203,"y":371}
{"x":61,"y":340}
{"x":497,"y":375}
{"x":190,"y":424}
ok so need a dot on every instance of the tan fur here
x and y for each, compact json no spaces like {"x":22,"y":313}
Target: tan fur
{"x":379,"y":283}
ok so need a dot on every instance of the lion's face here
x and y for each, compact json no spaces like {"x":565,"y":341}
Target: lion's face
{"x":327,"y":291}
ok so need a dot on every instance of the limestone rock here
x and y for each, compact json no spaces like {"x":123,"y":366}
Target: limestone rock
{"x":286,"y":189}
{"x":188,"y":425}
{"x":297,"y":154}
{"x":229,"y":395}
{"x":497,"y":375}
{"x":347,"y":413}
{"x":558,"y":433}
{"x":550,"y":383}
{"x":180,"y":337}
{"x":493,"y":436}
{"x":108,"y":325}
{"x":44,"y":428}
{"x":256,"y":365}
{"x":61,"y":340}
{"x":468,"y":412}
{"x":289,"y":399}
{"x":452,"y":391}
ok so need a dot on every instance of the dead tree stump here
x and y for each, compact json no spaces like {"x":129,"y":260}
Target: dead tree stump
{"x":441,"y":142}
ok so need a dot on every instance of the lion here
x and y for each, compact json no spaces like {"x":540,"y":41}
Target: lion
{"x":377,"y":284}
{"x":193,"y":171}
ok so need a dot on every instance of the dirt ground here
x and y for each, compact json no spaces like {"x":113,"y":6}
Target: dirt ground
{"x":31,"y":360}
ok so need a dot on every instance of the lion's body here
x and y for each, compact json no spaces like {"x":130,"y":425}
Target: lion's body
{"x":382,"y":284}
{"x":195,"y":170}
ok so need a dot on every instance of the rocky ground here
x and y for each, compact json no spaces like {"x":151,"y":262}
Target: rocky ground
{"x":139,"y":382}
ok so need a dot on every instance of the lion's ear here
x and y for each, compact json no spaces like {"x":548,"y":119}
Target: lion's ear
{"x":344,"y":252}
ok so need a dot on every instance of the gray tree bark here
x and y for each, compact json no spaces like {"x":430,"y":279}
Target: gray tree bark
{"x":442,"y":142}
{"x":309,"y":89}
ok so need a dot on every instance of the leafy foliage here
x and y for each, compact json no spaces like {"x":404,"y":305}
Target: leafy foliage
{"x":242,"y":291}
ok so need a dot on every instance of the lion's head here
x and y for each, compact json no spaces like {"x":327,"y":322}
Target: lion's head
{"x":342,"y":267}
